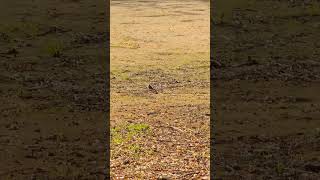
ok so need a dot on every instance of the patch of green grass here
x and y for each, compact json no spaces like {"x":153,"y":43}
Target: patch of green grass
{"x":280,"y":167}
{"x":54,"y":48}
{"x":125,"y":133}
{"x":134,"y":148}
{"x":126,"y":139}
{"x":138,"y":128}
{"x":120,"y":74}
{"x":123,"y":76}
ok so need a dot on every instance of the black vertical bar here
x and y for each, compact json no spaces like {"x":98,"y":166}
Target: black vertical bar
{"x":108,"y":89}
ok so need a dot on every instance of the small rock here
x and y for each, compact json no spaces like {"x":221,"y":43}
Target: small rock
{"x":152,"y":89}
{"x":125,"y":162}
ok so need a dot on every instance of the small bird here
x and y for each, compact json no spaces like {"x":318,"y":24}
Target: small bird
{"x":152,"y":89}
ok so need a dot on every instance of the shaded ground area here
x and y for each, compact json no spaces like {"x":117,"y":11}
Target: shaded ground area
{"x":266,"y":77}
{"x":53,"y":80}
{"x":160,"y":89}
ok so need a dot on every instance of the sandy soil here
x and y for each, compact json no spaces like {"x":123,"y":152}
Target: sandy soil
{"x":266,"y":81}
{"x":53,"y":81}
{"x":161,"y":132}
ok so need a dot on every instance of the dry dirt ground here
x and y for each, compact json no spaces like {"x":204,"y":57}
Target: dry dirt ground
{"x":266,"y":89}
{"x":161,"y":132}
{"x":53,"y":81}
